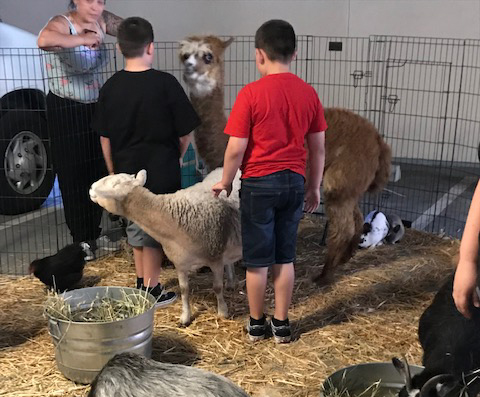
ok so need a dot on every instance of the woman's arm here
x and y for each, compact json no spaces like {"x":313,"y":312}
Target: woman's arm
{"x":56,"y":35}
{"x":112,"y":22}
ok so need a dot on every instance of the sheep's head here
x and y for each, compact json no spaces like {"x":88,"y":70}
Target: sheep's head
{"x":202,"y":60}
{"x":110,"y":191}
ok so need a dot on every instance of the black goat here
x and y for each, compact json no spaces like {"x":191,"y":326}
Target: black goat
{"x":451,"y":350}
{"x":62,"y":270}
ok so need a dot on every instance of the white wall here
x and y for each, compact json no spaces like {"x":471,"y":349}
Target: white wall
{"x":174,"y":19}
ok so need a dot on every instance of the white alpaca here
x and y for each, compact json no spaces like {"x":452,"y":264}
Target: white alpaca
{"x":194,"y":228}
{"x":202,"y":58}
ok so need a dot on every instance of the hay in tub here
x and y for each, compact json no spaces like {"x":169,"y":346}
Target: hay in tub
{"x":101,"y":309}
{"x":370,"y":314}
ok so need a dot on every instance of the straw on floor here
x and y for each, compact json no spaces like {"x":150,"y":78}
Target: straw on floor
{"x":370,"y":314}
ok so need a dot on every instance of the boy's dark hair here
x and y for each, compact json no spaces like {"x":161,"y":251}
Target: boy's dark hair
{"x":277,"y":39}
{"x":134,"y":34}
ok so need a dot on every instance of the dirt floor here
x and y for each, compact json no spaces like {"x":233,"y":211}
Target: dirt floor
{"x":370,"y":314}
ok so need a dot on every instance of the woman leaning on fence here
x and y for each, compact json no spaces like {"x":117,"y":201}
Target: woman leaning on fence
{"x":75,"y":67}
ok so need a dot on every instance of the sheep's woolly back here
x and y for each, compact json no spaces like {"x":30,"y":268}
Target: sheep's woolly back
{"x":199,"y":213}
{"x":129,"y":374}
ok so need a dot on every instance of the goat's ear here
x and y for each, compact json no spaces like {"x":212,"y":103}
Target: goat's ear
{"x":141,"y":177}
{"x":226,"y":43}
{"x":439,"y":385}
{"x":404,"y":370}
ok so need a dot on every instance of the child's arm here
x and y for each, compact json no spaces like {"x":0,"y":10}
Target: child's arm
{"x":316,"y":158}
{"x":184,"y":142}
{"x":465,"y":281}
{"x":107,"y":153}
{"x":232,"y":161}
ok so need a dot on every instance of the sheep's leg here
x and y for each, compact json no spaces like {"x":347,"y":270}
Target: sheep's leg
{"x":339,"y":240}
{"x":217,"y":270}
{"x":186,"y":316}
{"x":230,"y":276}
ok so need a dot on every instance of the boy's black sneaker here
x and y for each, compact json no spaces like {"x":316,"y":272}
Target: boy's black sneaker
{"x":281,"y":330}
{"x":163,"y":297}
{"x":257,"y":329}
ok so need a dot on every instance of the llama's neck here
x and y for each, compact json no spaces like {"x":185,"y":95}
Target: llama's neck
{"x":209,"y":106}
{"x":148,"y":210}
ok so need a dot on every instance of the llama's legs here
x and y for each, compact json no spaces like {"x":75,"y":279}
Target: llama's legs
{"x":186,"y":316}
{"x":230,"y":268}
{"x":341,"y":232}
{"x":217,"y":270}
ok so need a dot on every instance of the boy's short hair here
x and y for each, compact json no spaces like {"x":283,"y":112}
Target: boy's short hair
{"x":277,"y":38}
{"x":134,"y":34}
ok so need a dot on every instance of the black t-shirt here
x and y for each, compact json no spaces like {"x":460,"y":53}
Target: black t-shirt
{"x":143,"y":114}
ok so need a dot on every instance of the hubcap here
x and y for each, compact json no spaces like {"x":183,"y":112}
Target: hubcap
{"x":25,"y":162}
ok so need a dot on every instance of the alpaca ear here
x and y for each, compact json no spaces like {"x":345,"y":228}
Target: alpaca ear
{"x":226,"y":43}
{"x":141,"y":177}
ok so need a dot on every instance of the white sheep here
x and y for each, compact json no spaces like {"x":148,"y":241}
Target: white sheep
{"x":194,"y":228}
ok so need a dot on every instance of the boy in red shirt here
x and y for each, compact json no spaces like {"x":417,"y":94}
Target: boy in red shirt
{"x":267,"y":126}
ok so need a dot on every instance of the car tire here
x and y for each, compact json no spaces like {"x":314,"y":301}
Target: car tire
{"x":26,"y":175}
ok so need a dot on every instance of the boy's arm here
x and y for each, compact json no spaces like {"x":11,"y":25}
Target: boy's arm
{"x":107,"y":154}
{"x":465,"y":282}
{"x":184,"y":142}
{"x":232,"y":161}
{"x":316,"y":158}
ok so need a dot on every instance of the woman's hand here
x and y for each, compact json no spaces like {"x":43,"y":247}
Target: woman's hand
{"x":90,"y":38}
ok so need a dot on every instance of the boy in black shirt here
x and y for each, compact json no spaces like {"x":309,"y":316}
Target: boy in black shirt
{"x":145,"y":122}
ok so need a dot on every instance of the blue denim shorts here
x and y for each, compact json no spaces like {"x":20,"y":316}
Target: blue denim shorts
{"x":271,"y":208}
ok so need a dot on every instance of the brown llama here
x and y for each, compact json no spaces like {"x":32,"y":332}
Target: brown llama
{"x":202,"y":58}
{"x":357,"y":158}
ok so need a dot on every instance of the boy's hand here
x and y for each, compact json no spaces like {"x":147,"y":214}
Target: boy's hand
{"x":218,"y":187}
{"x":464,"y":288}
{"x":312,"y":199}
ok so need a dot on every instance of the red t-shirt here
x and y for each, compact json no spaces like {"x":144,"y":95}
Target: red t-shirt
{"x":275,"y":113}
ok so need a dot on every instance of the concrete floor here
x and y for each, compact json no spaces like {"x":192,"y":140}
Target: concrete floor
{"x":426,"y":197}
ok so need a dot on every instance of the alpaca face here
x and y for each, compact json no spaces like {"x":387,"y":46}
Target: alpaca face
{"x":202,"y":60}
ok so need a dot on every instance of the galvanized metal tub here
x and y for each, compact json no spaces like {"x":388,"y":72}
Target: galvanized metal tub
{"x":83,"y":348}
{"x":358,"y":378}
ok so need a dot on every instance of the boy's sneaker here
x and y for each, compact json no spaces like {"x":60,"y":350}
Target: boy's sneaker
{"x":257,"y":329}
{"x":163,"y":297}
{"x":106,"y":244}
{"x":89,"y":250}
{"x":281,"y":330}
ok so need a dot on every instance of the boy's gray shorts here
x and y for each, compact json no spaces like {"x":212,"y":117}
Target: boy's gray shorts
{"x":136,"y":237}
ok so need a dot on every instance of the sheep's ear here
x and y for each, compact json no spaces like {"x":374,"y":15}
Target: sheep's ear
{"x":142,"y":177}
{"x":226,"y":43}
{"x":182,"y":43}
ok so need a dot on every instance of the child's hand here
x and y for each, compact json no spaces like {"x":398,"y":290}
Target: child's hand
{"x":312,"y":199}
{"x":217,"y":189}
{"x":464,"y":288}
